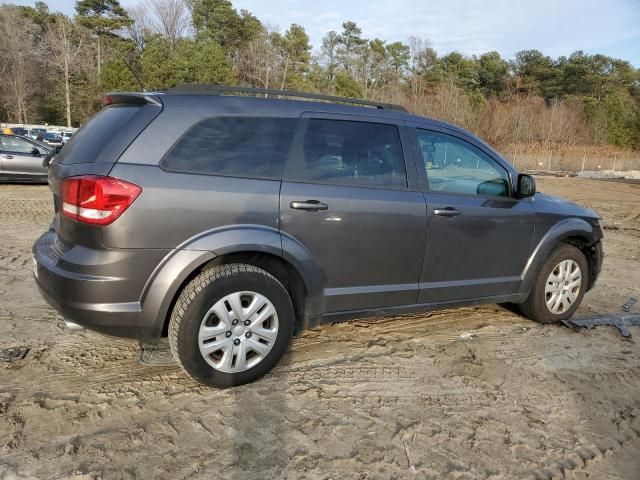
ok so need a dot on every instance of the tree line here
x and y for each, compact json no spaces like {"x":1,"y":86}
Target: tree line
{"x":55,"y":68}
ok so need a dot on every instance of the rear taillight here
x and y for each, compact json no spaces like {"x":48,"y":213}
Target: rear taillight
{"x":97,"y":200}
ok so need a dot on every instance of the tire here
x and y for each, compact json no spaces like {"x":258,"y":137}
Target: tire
{"x":209,"y":307}
{"x":535,"y":307}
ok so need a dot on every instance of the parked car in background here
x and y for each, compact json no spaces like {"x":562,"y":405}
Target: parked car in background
{"x":53,"y":139}
{"x":21,"y":159}
{"x":66,"y":136}
{"x":20,"y":131}
{"x":227,"y":222}
{"x":35,"y":132}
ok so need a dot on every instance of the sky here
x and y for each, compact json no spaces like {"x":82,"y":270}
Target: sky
{"x":560,"y":27}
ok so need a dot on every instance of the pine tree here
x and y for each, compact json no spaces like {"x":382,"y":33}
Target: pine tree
{"x":103,"y":18}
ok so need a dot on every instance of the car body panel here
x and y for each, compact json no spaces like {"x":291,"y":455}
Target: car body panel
{"x":552,"y":234}
{"x":188,"y":205}
{"x":352,"y":240}
{"x":98,"y":288}
{"x":480,"y":252}
{"x":358,"y":273}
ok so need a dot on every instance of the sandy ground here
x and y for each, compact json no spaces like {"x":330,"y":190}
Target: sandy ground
{"x":459,"y":394}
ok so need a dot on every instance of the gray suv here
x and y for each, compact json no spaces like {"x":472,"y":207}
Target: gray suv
{"x":228,"y":222}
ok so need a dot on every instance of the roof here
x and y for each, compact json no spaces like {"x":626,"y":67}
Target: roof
{"x":239,"y":99}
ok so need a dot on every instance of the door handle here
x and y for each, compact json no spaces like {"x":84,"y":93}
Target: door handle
{"x":308,"y":205}
{"x":448,"y":212}
{"x":8,"y":156}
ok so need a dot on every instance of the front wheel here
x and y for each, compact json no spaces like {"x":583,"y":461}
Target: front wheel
{"x":560,"y":286}
{"x":231,"y":325}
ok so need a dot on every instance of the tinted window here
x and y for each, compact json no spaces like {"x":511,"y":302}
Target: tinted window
{"x":235,"y":146}
{"x":455,"y":166}
{"x":353,"y":153}
{"x":94,"y":136}
{"x":16,"y":144}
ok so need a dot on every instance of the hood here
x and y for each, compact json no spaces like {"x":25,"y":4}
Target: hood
{"x":545,"y":203}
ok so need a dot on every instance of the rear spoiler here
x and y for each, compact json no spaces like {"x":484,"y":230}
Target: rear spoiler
{"x":131,"y":99}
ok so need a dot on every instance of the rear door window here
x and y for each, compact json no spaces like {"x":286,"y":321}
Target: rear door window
{"x":345,"y":152}
{"x":254,"y":147}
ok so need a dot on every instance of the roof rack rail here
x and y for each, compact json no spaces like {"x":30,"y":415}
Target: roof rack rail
{"x":197,"y":88}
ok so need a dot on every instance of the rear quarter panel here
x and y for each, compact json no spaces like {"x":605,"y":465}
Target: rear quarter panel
{"x":176,"y":207}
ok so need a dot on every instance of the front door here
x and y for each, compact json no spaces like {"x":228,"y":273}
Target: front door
{"x":347,"y":199}
{"x":479,"y":236}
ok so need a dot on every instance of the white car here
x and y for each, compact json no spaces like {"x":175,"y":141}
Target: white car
{"x":34,"y":132}
{"x":66,"y":136}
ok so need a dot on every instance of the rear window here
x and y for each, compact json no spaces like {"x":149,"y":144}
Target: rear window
{"x":87,"y":143}
{"x":254,"y":147}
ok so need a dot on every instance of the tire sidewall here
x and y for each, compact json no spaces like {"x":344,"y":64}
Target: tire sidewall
{"x":187,"y":341}
{"x":564,"y":252}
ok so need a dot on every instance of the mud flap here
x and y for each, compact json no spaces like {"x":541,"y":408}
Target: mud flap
{"x":156,"y":353}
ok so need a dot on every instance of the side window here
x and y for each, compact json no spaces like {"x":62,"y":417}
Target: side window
{"x":17,"y":145}
{"x":234,"y":146}
{"x":353,"y":153}
{"x":455,"y":166}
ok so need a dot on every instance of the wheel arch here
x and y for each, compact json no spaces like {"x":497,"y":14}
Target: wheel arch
{"x":259,"y":246}
{"x":572,"y":231}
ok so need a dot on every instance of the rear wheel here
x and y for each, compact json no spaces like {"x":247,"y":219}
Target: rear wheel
{"x":231,"y":325}
{"x":560,"y":286}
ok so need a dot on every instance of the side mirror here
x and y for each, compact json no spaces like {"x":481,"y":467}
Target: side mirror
{"x":35,"y":152}
{"x":58,"y":148}
{"x":526,"y":186}
{"x":47,"y":160}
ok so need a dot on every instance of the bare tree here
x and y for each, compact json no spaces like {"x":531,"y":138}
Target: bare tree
{"x":169,"y":18}
{"x":62,"y":44}
{"x":138,"y":29}
{"x":260,"y":62}
{"x":16,"y":63}
{"x":422,"y":59}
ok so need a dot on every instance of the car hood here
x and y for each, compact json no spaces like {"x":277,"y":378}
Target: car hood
{"x":546,"y":203}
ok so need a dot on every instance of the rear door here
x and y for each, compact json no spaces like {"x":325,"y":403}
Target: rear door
{"x":478,"y":235}
{"x":347,"y":199}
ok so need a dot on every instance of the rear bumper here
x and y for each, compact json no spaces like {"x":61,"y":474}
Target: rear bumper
{"x":81,"y":284}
